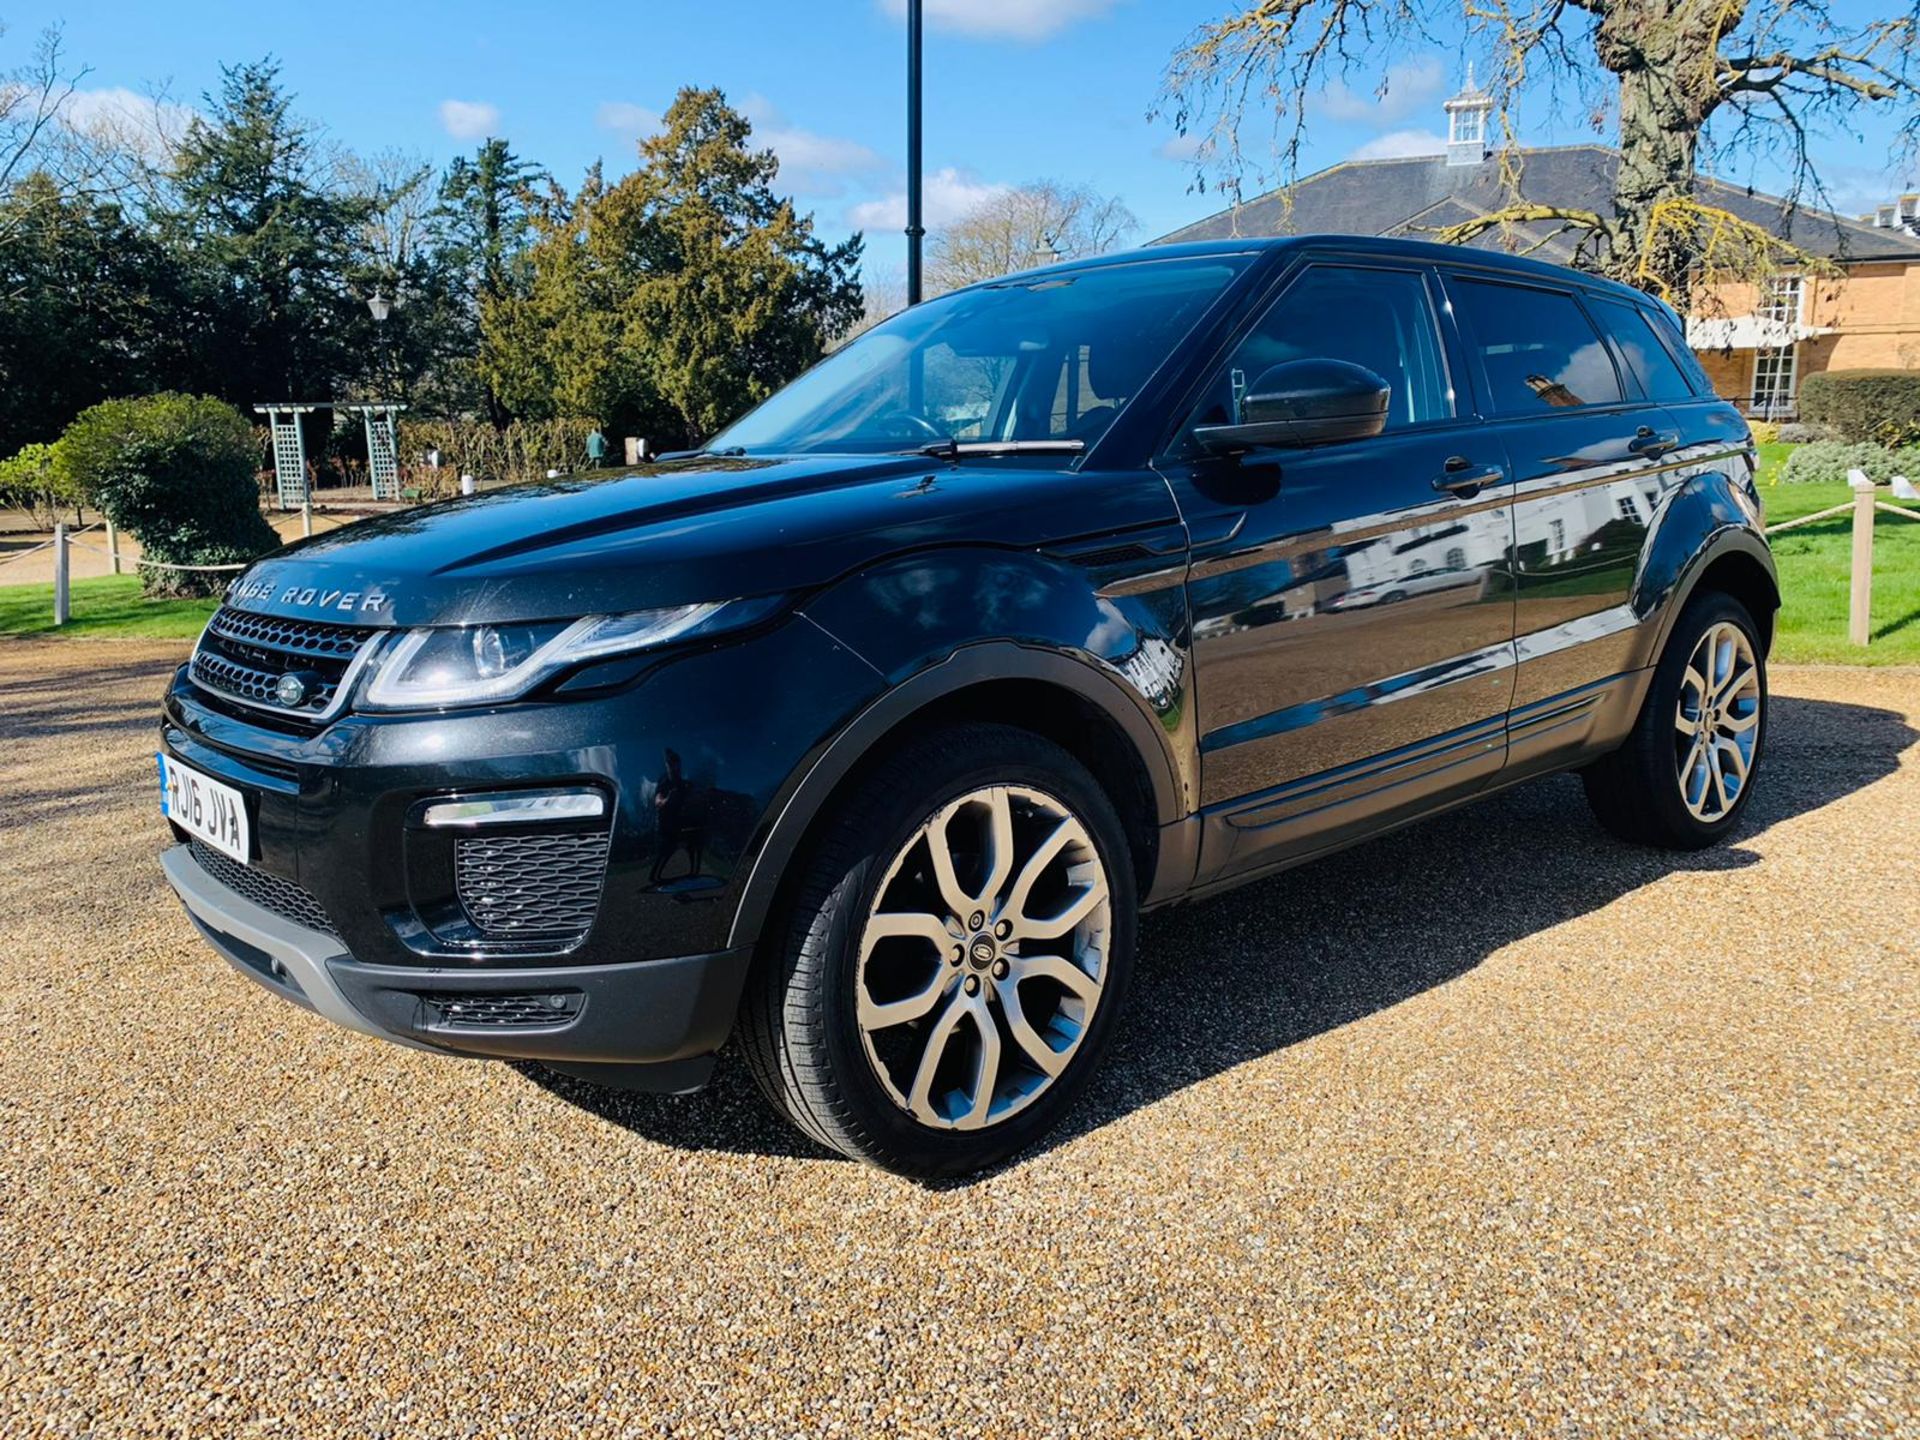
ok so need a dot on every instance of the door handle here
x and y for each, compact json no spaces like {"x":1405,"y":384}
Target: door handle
{"x":1650,"y":442}
{"x":1464,"y":480}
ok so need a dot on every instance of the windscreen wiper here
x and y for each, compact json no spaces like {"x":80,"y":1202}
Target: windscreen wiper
{"x":955,"y":449}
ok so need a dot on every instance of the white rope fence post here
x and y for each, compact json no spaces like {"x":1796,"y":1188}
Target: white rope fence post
{"x":61,"y":609}
{"x":113,"y":545}
{"x":1860,"y":594}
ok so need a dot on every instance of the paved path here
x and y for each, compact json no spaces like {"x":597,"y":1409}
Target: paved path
{"x":1492,"y":1127}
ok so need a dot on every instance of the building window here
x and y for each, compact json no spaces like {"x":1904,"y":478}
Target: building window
{"x":1469,"y":126}
{"x":1775,"y":377}
{"x":1630,"y":508}
{"x":1780,"y":298}
{"x":1883,"y":217}
{"x":1559,"y":530}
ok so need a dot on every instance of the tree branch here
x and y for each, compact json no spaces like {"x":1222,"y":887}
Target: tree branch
{"x":1522,"y":214}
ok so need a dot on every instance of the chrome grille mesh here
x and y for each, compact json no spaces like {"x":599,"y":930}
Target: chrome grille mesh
{"x":243,"y":657}
{"x":527,"y":885}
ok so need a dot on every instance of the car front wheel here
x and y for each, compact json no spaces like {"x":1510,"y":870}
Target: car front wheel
{"x":954,"y":955}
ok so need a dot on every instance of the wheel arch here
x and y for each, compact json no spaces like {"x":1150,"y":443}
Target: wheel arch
{"x":1706,"y":536}
{"x":1053,"y":695}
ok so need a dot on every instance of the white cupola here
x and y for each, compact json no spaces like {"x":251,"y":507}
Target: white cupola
{"x":1468,"y":116}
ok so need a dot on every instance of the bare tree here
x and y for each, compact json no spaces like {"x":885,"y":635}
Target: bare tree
{"x":1776,"y":73}
{"x":34,"y":136}
{"x":1019,"y":229}
{"x":402,"y":199}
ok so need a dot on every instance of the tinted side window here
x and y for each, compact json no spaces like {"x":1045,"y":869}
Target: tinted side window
{"x":1537,"y":347}
{"x":1649,"y":360}
{"x":1377,"y":318}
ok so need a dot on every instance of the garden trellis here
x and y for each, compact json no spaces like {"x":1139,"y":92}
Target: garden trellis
{"x":290,"y":449}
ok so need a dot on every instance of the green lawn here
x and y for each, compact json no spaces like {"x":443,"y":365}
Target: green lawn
{"x":107,"y":608}
{"x":1814,"y":581}
{"x":1772,"y":457}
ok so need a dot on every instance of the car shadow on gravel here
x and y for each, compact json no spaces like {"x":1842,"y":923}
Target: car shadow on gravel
{"x":1228,"y":980}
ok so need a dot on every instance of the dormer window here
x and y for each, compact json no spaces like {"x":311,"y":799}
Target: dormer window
{"x":1884,"y":217}
{"x":1467,"y":124}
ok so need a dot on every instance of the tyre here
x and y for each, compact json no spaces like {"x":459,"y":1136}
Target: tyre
{"x":952,"y":957}
{"x":1687,"y":770}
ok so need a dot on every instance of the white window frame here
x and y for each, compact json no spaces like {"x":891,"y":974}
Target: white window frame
{"x":1780,"y":397}
{"x":1469,"y":126}
{"x":1782,"y":297}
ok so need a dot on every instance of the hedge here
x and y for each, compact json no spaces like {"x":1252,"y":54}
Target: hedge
{"x":1880,"y":407}
{"x":177,"y":472}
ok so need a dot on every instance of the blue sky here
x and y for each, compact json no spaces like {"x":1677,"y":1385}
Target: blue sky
{"x":1016,"y":89}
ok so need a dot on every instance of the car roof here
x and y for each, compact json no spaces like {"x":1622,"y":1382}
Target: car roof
{"x":1428,"y":252}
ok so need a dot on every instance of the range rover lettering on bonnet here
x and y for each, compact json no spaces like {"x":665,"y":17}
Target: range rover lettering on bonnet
{"x":311,"y":597}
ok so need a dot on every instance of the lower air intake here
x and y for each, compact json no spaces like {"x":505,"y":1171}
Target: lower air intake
{"x":531,"y":886}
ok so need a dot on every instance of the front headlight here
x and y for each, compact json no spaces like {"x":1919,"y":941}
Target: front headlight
{"x":479,"y":664}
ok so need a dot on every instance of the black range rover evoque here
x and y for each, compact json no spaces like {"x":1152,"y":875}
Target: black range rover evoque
{"x":862,"y":736}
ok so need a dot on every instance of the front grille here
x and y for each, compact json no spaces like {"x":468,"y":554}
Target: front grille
{"x":527,"y":885}
{"x":269,"y":892}
{"x":243,"y":657}
{"x":501,"y":1012}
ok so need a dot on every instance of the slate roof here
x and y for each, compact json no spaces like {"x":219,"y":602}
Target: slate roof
{"x":1417,"y":195}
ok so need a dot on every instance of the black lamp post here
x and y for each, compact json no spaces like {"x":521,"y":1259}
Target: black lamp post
{"x":915,"y":230}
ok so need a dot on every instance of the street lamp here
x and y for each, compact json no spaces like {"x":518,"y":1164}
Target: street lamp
{"x":915,"y":230}
{"x":379,"y":304}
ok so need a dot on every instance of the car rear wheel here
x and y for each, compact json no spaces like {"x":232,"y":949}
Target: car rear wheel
{"x":953,"y":958}
{"x":1688,"y":769}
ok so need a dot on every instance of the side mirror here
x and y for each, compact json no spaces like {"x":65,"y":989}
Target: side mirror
{"x":1304,"y":402}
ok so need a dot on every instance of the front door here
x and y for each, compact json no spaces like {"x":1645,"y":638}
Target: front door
{"x":1352,"y":616}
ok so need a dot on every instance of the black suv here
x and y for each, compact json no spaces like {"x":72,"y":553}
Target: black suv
{"x":863,"y":735}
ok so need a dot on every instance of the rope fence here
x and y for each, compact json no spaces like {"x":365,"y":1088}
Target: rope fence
{"x":1860,"y":581}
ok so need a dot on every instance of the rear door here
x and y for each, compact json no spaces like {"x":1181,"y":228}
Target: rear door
{"x":1352,"y":620}
{"x":1590,"y":458}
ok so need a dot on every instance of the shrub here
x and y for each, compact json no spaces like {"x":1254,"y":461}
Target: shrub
{"x":1877,"y":406}
{"x":1796,"y":432}
{"x":177,"y":472}
{"x":522,"y":450}
{"x":1826,"y":462}
{"x":38,"y":481}
{"x":1765,"y":432}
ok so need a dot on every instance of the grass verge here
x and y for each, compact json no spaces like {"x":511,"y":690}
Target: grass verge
{"x":1815,"y":569}
{"x":109,"y":608}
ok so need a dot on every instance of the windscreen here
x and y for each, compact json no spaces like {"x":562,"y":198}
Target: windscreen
{"x":1052,"y":357}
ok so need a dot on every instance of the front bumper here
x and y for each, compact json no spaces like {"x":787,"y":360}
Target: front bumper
{"x":666,"y":1015}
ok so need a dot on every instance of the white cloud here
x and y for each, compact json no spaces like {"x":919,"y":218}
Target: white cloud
{"x":124,"y":117}
{"x":948,"y":195}
{"x":1006,"y":19}
{"x":810,"y":163}
{"x":627,"y":120}
{"x":1181,"y":149}
{"x":469,"y":119}
{"x":1412,"y":86}
{"x":1398,"y":144}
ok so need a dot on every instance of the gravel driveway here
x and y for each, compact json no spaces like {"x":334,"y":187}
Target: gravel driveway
{"x":1465,"y":1132}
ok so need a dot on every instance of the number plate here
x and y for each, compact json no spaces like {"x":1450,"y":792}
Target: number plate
{"x":216,"y":813}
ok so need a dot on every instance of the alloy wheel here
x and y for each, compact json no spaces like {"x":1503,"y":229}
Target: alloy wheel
{"x":983,"y":957}
{"x":1717,"y":722}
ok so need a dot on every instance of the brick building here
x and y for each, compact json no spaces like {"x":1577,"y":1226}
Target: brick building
{"x":1757,"y":343}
